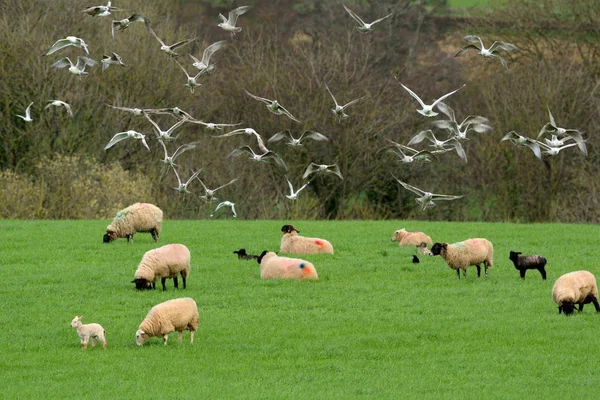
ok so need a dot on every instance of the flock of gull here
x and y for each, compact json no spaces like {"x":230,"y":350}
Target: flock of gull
{"x":555,"y":139}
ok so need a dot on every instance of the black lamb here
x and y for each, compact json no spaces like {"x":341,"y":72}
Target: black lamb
{"x":523,"y":263}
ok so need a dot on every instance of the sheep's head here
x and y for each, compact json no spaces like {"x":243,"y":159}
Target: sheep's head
{"x":289,"y":229}
{"x":141,"y":284}
{"x":567,"y":308}
{"x":437,"y":249}
{"x":514,"y":255}
{"x":109,"y":236}
{"x":76,"y":321}
{"x":240,"y":253}
{"x":141,"y":337}
{"x":397,"y":236}
{"x":259,"y":259}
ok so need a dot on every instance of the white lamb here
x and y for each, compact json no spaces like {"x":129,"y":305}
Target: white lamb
{"x":87,"y":331}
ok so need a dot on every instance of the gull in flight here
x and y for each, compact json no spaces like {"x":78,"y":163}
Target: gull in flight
{"x":427,"y":199}
{"x":225,"y":204}
{"x":66,"y":42}
{"x":228,"y":24}
{"x":165,"y":135}
{"x":59,"y":103}
{"x":138,"y":112}
{"x":192,"y":82}
{"x":259,"y":157}
{"x":401,"y":152}
{"x":174,"y":111}
{"x":170,"y":160}
{"x":75,"y":69}
{"x":339,"y":110}
{"x":294,"y":194}
{"x":519,"y":140}
{"x":209,"y":194}
{"x":170,"y":50}
{"x":552,"y":150}
{"x":127,"y":135}
{"x":297,"y":142}
{"x":328,"y":169}
{"x":474,"y":122}
{"x":123,"y":24}
{"x":552,"y":128}
{"x":490,"y":52}
{"x":183,"y":186}
{"x":273,"y":106}
{"x":101,"y":11}
{"x":362,"y":26}
{"x":427,"y":110}
{"x":205,"y":64}
{"x":439,"y":145}
{"x":27,"y":117}
{"x":212,"y":126}
{"x":247,"y":131}
{"x":113,"y":59}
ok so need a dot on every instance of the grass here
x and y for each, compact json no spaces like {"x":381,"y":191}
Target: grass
{"x":373,"y":326}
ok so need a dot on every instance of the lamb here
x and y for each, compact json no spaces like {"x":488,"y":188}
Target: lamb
{"x":242,"y":255}
{"x":274,"y":267}
{"x":164,"y":262}
{"x":292,"y":243}
{"x":523,"y":263}
{"x":463,"y":254}
{"x":172,"y":315}
{"x":578,"y":287}
{"x":405,"y":238}
{"x":139,"y":217}
{"x":87,"y":331}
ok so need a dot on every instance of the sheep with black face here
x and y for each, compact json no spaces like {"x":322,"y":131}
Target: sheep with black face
{"x":164,"y":262}
{"x":138,"y":217}
{"x":463,"y":254}
{"x":523,"y":263}
{"x":578,"y":287}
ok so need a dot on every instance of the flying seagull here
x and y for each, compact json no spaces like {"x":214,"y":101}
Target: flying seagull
{"x":192,"y":82}
{"x":324,"y":168}
{"x":439,"y":145}
{"x":427,"y":110}
{"x":123,"y":24}
{"x":209,"y":194}
{"x":27,"y":117}
{"x":273,"y":106}
{"x":211,"y":126}
{"x":130,"y":134}
{"x":75,"y":69}
{"x":66,"y":42}
{"x":426,"y":199}
{"x":294,"y":194}
{"x":575,"y":134}
{"x":259,"y":157}
{"x":363,"y":27}
{"x":225,"y":204}
{"x":170,"y":160}
{"x":205,"y":64}
{"x":101,"y":11}
{"x":297,"y":142}
{"x":169,"y":49}
{"x":165,"y":135}
{"x":228,"y":24}
{"x":59,"y":103}
{"x":474,"y":122}
{"x":519,"y":140}
{"x":402,"y":152}
{"x":247,"y":131}
{"x":491,"y":52}
{"x":183,"y":186}
{"x":339,"y":110}
{"x":113,"y":59}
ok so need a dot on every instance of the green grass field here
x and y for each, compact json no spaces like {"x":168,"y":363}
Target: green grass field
{"x":373,"y":326}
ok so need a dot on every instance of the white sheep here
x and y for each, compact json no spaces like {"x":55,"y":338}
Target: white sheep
{"x":405,"y":238}
{"x":578,"y":287}
{"x":463,"y":254}
{"x":164,"y":262}
{"x":138,"y":217}
{"x":274,"y":267}
{"x":292,"y":243}
{"x":87,"y":331}
{"x":170,"y":316}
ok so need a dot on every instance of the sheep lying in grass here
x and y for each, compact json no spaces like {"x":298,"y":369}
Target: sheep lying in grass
{"x":87,"y":331}
{"x":573,"y":288}
{"x":242,"y":255}
{"x":274,"y":267}
{"x":170,"y":316}
{"x":405,"y":238}
{"x":523,"y":263}
{"x":164,"y":262}
{"x":292,"y":243}
{"x":139,"y":217}
{"x":462,"y":254}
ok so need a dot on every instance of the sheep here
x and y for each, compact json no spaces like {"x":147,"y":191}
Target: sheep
{"x":405,"y":238}
{"x":578,"y":287}
{"x":523,"y":263}
{"x":138,"y":217}
{"x":172,"y":315}
{"x":242,"y":255}
{"x":292,"y":243}
{"x":87,"y":331}
{"x":422,"y":249}
{"x":274,"y":267}
{"x":462,"y":254}
{"x":164,"y":262}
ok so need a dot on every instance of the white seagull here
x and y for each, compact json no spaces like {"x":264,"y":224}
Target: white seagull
{"x":205,"y":64}
{"x":439,"y":145}
{"x":225,"y":204}
{"x":474,"y":122}
{"x":59,"y":103}
{"x":228,"y":24}
{"x":297,"y":142}
{"x":192,"y":82}
{"x":258,"y":157}
{"x":401,"y":151}
{"x":363,"y":27}
{"x":27,"y":117}
{"x":75,"y":69}
{"x":170,"y":160}
{"x":165,"y":135}
{"x":519,"y":140}
{"x":294,"y":194}
{"x":169,"y":49}
{"x":552,"y":150}
{"x":427,"y":110}
{"x":247,"y":131}
{"x":183,"y":186}
{"x":211,"y":126}
{"x":113,"y":59}
{"x":123,"y":24}
{"x":209,"y":194}
{"x":328,"y":169}
{"x":491,"y":52}
{"x":273,"y":106}
{"x":575,"y":134}
{"x":101,"y":11}
{"x":138,"y":112}
{"x":66,"y":42}
{"x":339,"y":110}
{"x":426,"y":199}
{"x":130,"y":134}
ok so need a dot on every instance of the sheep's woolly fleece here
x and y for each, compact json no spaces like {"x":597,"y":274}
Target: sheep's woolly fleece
{"x":164,"y":262}
{"x":274,"y":267}
{"x":468,"y":252}
{"x":405,"y":238}
{"x":138,"y":217}
{"x":578,"y":287}
{"x":87,"y":331}
{"x":170,"y":316}
{"x":523,"y":263}
{"x":292,"y":243}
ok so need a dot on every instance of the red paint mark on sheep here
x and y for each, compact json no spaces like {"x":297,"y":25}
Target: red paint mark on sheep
{"x":319,"y":242}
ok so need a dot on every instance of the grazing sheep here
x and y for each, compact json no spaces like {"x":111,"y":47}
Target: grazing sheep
{"x":172,"y":315}
{"x":164,"y":262}
{"x":577,"y":287}
{"x":242,"y":255}
{"x":292,"y":243}
{"x":462,"y":254}
{"x":523,"y":263}
{"x":87,"y":331}
{"x":405,"y":238}
{"x":139,"y":217}
{"x":274,"y":267}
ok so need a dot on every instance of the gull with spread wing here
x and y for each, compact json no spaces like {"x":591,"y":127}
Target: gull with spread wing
{"x":491,"y":52}
{"x":66,"y":42}
{"x":101,"y":11}
{"x":427,"y":110}
{"x":247,"y":131}
{"x":125,"y":23}
{"x":553,"y":150}
{"x":524,"y":141}
{"x":472,"y":122}
{"x":169,"y":49}
{"x":402,"y":153}
{"x":183,"y":186}
{"x":209,"y":194}
{"x":439,"y":145}
{"x":170,"y":160}
{"x":268,"y":155}
{"x":322,"y":168}
{"x":225,"y":204}
{"x":228,"y":24}
{"x":27,"y":116}
{"x":294,"y":194}
{"x":340,"y":111}
{"x":363,"y":27}
{"x":192,"y":82}
{"x":297,"y":142}
{"x":211,"y":126}
{"x":138,"y":112}
{"x":59,"y":103}
{"x":205,"y":64}
{"x":113,"y":59}
{"x":130,"y":134}
{"x":273,"y":106}
{"x":575,"y":134}
{"x":165,"y":135}
{"x":427,"y":199}
{"x":76,"y":69}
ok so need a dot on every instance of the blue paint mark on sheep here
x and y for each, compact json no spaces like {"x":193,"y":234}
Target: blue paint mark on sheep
{"x":302,"y":265}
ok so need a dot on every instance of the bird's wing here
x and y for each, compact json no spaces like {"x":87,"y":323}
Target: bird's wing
{"x":466,"y":49}
{"x":447,"y":110}
{"x":303,"y":186}
{"x":227,"y":184}
{"x":331,"y":94}
{"x":437,"y":197}
{"x":503,"y":46}
{"x":223,"y":18}
{"x":181,"y":43}
{"x":419,"y":137}
{"x":209,"y":51}
{"x":68,"y":107}
{"x":352,"y":102}
{"x":194,"y":175}
{"x":156,"y":127}
{"x":288,"y":114}
{"x":63,"y":62}
{"x":315,"y":136}
{"x":86,"y":61}
{"x":182,"y":68}
{"x":234,"y":14}
{"x":165,"y":149}
{"x":552,"y":122}
{"x":139,"y":18}
{"x":309,"y":170}
{"x":481,"y":128}
{"x":502,"y":60}
{"x":143,"y":139}
{"x":116,"y":139}
{"x":335,"y":170}
{"x":28,"y":110}
{"x":240,"y":150}
{"x":381,"y":19}
{"x":290,"y":186}
{"x":447,"y":94}
{"x":474,"y":39}
{"x":156,"y":36}
{"x":535,"y":147}
{"x":177,"y":125}
{"x":278,"y":160}
{"x":279,"y":135}
{"x":266,"y":101}
{"x":512,"y":135}
{"x":234,"y":132}
{"x":460,"y":150}
{"x":354,"y":16}
{"x":413,"y":94}
{"x":474,"y":120}
{"x":445,"y":124}
{"x":196,"y":61}
{"x":60,"y":44}
{"x":413,"y":189}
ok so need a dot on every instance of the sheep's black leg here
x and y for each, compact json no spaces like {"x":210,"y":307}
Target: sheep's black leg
{"x":478,"y":271}
{"x":183,"y":279}
{"x":176,"y":283}
{"x":543,"y":272}
{"x":129,"y":237}
{"x":486,"y":269}
{"x":458,"y":273}
{"x":154,"y":233}
{"x":163,"y":280}
{"x":465,"y":273}
{"x":595,"y":301}
{"x":153,"y":285}
{"x":522,"y":272}
{"x":580,"y":307}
